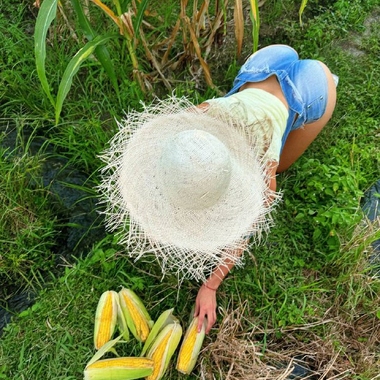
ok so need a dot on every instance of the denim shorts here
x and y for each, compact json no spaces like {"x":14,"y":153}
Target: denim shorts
{"x":303,"y":82}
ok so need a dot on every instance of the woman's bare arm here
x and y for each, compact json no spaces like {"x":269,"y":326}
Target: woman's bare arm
{"x":205,"y":304}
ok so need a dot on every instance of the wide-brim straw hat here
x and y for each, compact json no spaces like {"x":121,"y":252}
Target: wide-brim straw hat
{"x":185,"y":185}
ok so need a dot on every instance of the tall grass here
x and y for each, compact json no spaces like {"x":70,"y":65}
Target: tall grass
{"x":308,"y":296}
{"x":27,"y":223}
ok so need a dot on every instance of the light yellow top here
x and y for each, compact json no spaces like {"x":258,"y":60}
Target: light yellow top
{"x":264,"y":115}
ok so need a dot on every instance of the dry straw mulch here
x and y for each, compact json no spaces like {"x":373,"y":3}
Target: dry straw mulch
{"x":347,"y":349}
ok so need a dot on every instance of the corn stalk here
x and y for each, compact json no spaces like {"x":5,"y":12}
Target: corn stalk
{"x":300,"y":12}
{"x":196,"y":29}
{"x":255,"y":17}
{"x":129,"y":31}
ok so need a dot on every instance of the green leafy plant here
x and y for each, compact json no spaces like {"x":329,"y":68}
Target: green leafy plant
{"x":255,"y":17}
{"x":302,"y":8}
{"x":128,"y":19}
{"x":298,"y":292}
{"x":46,"y":15}
{"x":101,"y":51}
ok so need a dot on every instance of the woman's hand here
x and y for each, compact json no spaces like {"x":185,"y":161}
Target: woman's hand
{"x":205,"y":303}
{"x":205,"y":306}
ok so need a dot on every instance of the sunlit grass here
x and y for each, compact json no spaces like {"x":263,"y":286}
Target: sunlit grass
{"x":307,"y":293}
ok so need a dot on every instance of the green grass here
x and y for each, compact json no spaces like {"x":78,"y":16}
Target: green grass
{"x":27,"y":223}
{"x":307,"y":289}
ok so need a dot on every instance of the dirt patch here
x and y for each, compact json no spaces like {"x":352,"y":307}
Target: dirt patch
{"x":353,"y":45}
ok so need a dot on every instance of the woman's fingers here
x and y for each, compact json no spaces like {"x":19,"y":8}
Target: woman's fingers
{"x":196,"y":310}
{"x":211,"y":319}
{"x":205,"y":307}
{"x":200,"y":321}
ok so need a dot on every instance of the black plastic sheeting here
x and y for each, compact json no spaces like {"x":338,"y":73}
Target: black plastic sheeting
{"x":76,"y":209}
{"x":78,"y":212}
{"x":371,"y":207}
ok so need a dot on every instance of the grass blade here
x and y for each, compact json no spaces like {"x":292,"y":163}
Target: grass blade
{"x":198,"y":52}
{"x":108,"y":12}
{"x":101,"y":51}
{"x":117,"y":5}
{"x":255,"y":16}
{"x":45,"y":17}
{"x":139,"y":16}
{"x":302,"y":8}
{"x":83,"y":20}
{"x":72,"y":68}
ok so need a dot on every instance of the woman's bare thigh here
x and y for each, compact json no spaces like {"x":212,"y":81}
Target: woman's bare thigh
{"x":299,"y":139}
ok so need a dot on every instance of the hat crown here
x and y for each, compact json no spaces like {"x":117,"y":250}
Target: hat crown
{"x":195,"y":169}
{"x":188,"y":229}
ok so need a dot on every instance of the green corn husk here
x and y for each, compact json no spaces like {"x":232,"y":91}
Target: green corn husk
{"x":135,"y":314}
{"x":163,"y":348}
{"x":105,"y":318}
{"x":163,"y":320}
{"x":122,"y":322}
{"x":124,"y":368}
{"x":190,"y":347}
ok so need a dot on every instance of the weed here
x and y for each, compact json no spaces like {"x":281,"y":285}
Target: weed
{"x":305,"y":297}
{"x":27,"y":225}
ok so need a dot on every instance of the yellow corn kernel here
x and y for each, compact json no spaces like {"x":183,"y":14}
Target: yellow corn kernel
{"x":163,"y":349}
{"x":105,"y":318}
{"x":123,"y":368}
{"x":158,"y":355}
{"x":136,"y":316}
{"x":190,"y":348}
{"x":163,"y":320}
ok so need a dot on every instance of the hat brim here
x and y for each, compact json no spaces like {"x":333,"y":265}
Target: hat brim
{"x":191,"y":242}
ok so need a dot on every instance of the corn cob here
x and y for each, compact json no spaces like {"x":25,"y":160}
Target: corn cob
{"x":135,"y":314}
{"x":105,"y":318}
{"x":124,"y":368}
{"x":122,"y":322}
{"x":163,"y":320}
{"x":163,"y":349}
{"x":190,"y":347}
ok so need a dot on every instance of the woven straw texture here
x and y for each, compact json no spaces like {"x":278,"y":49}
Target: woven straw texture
{"x":185,"y":186}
